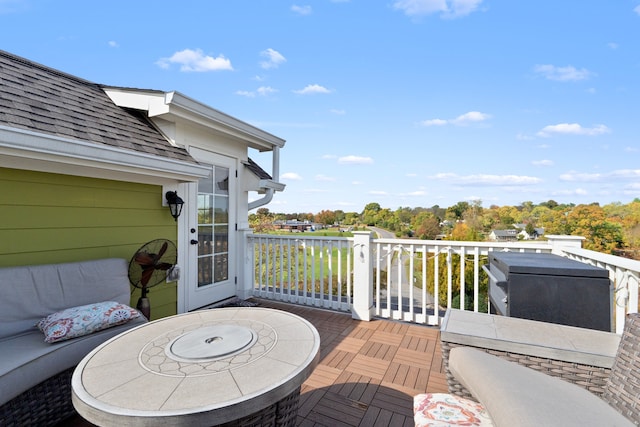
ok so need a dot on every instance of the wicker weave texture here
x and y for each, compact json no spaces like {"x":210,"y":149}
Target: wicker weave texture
{"x":623,"y":389}
{"x":43,"y":405}
{"x":591,"y":378}
{"x":281,"y":414}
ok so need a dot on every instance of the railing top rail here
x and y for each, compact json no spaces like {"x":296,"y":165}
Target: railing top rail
{"x":459,"y":243}
{"x":626,"y":263}
{"x":294,"y":236}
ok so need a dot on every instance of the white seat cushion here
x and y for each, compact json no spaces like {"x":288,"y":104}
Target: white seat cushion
{"x":517,"y":396}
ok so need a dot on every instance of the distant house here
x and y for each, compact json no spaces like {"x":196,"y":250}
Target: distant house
{"x":85,"y":169}
{"x":503,"y":235}
{"x":293,"y":225}
{"x":537,"y":232}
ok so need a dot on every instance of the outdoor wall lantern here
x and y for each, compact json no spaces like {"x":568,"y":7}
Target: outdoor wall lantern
{"x":175,"y":203}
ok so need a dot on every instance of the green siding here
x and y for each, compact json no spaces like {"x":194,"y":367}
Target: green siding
{"x":53,"y":218}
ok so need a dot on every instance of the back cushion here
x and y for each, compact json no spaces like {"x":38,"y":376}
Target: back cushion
{"x":29,"y":293}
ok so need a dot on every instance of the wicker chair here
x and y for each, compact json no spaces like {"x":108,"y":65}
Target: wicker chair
{"x":622,"y":389}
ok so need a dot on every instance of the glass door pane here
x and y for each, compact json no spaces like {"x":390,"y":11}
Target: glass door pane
{"x":213,"y":227}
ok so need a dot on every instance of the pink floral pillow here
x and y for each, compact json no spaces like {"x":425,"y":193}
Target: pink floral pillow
{"x":446,"y":410}
{"x":83,"y":320}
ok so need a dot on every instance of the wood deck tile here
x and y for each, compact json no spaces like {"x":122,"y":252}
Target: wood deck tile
{"x":368,"y":366}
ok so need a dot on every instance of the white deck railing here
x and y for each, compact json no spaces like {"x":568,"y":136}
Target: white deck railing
{"x":400,"y":278}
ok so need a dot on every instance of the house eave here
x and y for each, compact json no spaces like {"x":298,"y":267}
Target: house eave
{"x":168,"y":105}
{"x":268,"y":183}
{"x":23,"y":149}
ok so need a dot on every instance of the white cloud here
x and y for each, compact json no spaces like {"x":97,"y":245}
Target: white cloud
{"x":337,"y":112}
{"x":434,"y":122}
{"x":462,"y":120}
{"x":302,"y":10}
{"x":576,"y":192}
{"x":616,"y":175}
{"x":266,"y":90}
{"x":613,"y":45}
{"x":324,"y":178}
{"x":572,"y":129}
{"x":487,"y":179}
{"x":246,"y":93}
{"x":470,"y":117}
{"x":355,"y":160}
{"x":329,"y":156}
{"x":447,"y":8}
{"x":523,"y":137}
{"x":312,"y":89}
{"x":562,"y":74}
{"x":542,"y":162}
{"x":112,"y":43}
{"x":378,"y":193}
{"x":291,"y":176}
{"x":637,"y":9}
{"x":195,"y":60}
{"x":274,"y":59}
{"x":262,"y":91}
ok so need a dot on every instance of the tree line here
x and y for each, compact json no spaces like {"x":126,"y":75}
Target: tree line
{"x":612,"y":228}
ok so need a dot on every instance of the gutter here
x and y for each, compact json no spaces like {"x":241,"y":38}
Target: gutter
{"x":272,"y":186}
{"x":263,"y":201}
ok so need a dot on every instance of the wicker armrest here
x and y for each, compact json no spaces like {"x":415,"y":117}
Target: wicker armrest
{"x":580,"y":356}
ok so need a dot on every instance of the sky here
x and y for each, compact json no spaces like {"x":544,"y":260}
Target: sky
{"x":404,"y":103}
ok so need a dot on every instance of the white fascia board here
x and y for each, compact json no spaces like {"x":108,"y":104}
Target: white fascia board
{"x":168,"y":104}
{"x":19,"y":148}
{"x":256,"y":137}
{"x":268,"y":183}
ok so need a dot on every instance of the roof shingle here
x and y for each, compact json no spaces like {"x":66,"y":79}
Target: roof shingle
{"x":41,"y":99}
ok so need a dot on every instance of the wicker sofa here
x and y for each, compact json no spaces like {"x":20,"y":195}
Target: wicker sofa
{"x":35,"y":376}
{"x":538,"y":381}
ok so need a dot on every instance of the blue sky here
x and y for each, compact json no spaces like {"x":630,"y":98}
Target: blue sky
{"x":399,"y":102}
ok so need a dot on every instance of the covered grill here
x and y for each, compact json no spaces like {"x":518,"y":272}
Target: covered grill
{"x":549,"y":288}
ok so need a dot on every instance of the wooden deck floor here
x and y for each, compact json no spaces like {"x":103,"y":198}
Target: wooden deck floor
{"x":368,"y":371}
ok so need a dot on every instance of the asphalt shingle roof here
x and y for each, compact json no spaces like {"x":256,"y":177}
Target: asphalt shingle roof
{"x":45,"y":100}
{"x":256,"y":169}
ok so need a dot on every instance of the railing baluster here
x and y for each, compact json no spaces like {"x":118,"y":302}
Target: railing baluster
{"x":463,"y":305}
{"x":476,"y":279}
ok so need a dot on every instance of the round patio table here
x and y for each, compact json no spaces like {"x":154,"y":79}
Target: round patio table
{"x":235,"y":366}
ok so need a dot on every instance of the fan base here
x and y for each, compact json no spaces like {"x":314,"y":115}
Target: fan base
{"x":144,"y":307}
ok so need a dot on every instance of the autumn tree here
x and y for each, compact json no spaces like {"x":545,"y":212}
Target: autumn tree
{"x":590,"y":221}
{"x":462,"y":232}
{"x":325,"y":217}
{"x":261,"y":221}
{"x":456,"y":211}
{"x":370,"y":213}
{"x":426,"y":226}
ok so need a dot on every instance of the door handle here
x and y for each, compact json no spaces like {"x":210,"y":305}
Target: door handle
{"x":193,"y":242}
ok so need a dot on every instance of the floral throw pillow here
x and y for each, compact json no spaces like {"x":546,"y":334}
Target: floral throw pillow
{"x":446,"y":410}
{"x":83,"y":320}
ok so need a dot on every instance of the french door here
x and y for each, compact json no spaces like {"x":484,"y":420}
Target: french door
{"x":216,"y":233}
